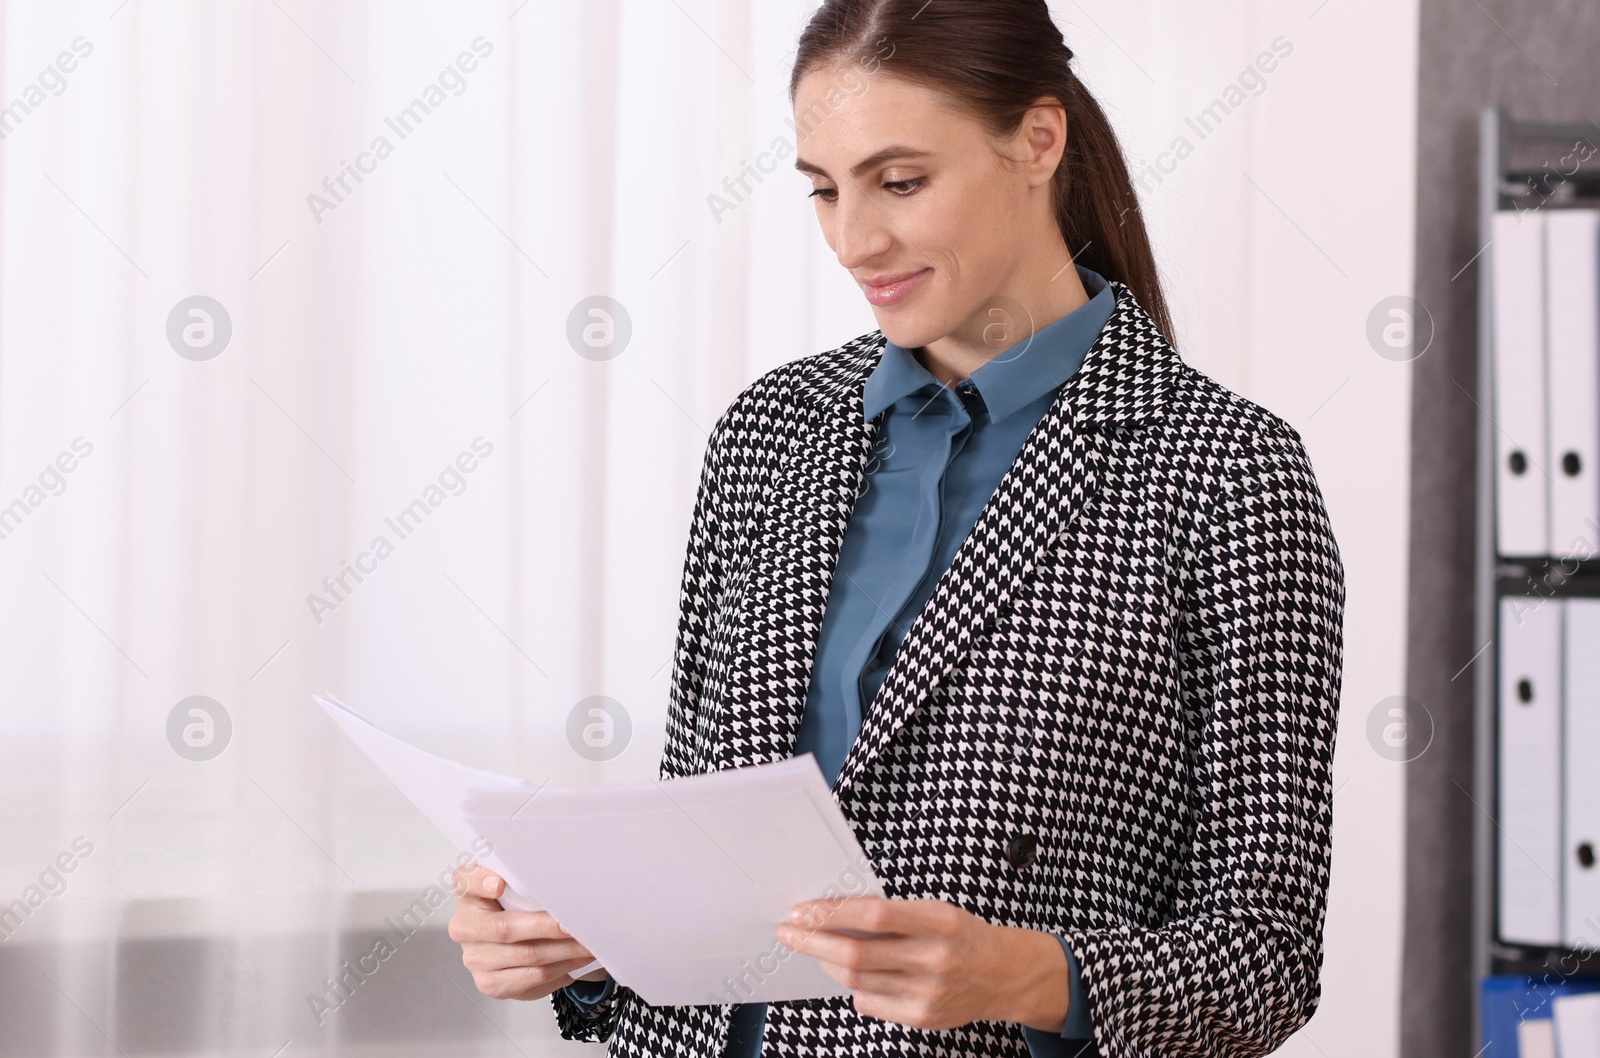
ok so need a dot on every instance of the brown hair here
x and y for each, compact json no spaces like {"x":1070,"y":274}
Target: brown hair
{"x":996,"y":59}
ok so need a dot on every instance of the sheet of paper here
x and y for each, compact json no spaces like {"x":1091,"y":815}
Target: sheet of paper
{"x":679,"y":886}
{"x":443,"y":789}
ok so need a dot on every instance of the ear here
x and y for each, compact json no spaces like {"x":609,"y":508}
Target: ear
{"x":1044,"y":135}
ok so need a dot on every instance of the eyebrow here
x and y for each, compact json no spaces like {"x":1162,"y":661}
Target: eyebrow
{"x":870,"y":162}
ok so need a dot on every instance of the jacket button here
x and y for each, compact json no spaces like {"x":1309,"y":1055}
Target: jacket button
{"x":1020,"y":850}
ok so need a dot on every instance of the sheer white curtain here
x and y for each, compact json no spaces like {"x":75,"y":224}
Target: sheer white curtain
{"x":401,"y":213}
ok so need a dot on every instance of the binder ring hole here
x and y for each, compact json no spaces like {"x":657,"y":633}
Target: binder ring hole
{"x":1524,"y":691}
{"x":1585,"y":854}
{"x":1571,"y":464}
{"x":1519,"y":463}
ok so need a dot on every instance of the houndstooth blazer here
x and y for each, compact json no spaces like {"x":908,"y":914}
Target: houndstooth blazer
{"x":1131,"y":669}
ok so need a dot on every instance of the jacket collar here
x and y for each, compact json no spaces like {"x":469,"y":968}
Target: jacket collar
{"x":1019,"y":375}
{"x":1125,"y":380}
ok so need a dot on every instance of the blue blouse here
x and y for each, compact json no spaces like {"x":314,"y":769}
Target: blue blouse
{"x":941,"y":452}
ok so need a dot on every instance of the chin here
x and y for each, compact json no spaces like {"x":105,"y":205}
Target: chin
{"x":908,"y":330}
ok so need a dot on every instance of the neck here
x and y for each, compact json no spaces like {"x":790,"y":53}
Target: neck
{"x":1038,"y":293}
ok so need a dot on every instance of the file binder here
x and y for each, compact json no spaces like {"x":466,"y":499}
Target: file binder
{"x":1580,"y":880}
{"x":1529,"y":816}
{"x":1572,"y":341}
{"x":1522,"y":494}
{"x":1536,"y":509}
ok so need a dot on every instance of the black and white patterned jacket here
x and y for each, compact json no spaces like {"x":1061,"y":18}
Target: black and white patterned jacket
{"x":1114,"y":718}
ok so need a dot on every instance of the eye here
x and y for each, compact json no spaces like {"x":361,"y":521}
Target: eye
{"x":827,"y":194}
{"x":902,"y":188}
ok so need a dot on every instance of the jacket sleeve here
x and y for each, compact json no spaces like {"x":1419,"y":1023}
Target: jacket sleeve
{"x":1235,"y":967}
{"x":701,"y":584}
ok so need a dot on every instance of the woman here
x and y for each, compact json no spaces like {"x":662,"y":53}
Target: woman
{"x":1060,"y":616}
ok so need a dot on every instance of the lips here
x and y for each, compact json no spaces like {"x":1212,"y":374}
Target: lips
{"x":888,"y":289}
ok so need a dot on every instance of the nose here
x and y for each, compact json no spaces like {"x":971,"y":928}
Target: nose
{"x":861,"y":231}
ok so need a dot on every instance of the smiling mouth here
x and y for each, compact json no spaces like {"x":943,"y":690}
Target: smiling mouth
{"x":896,"y":288}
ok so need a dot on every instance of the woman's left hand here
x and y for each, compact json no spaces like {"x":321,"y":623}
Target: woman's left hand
{"x":937,"y":966}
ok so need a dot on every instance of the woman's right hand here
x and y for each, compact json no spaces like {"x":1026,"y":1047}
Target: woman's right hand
{"x":512,"y":954}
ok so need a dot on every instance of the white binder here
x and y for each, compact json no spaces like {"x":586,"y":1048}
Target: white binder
{"x":1522,"y":494}
{"x":1576,"y":1019}
{"x":1528,"y":814}
{"x":1580,"y":884}
{"x":1572,"y":340}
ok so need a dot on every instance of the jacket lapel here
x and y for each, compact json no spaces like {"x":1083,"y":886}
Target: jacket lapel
{"x":808,"y":507}
{"x":1122,"y":381}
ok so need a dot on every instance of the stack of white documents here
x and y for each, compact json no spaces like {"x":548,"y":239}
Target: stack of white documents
{"x":676,"y":886}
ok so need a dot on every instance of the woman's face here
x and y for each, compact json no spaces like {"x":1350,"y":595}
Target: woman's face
{"x":908,"y":188}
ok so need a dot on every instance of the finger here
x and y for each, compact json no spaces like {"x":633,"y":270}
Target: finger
{"x":477,"y":904}
{"x":476,"y":880}
{"x":517,"y":981}
{"x":488,"y":957}
{"x":503,"y":927}
{"x":883,"y":985}
{"x":869,"y":914}
{"x":894,"y":953}
{"x":904,"y":1010}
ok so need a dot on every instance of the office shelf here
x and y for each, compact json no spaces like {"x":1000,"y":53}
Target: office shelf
{"x":1522,"y":165}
